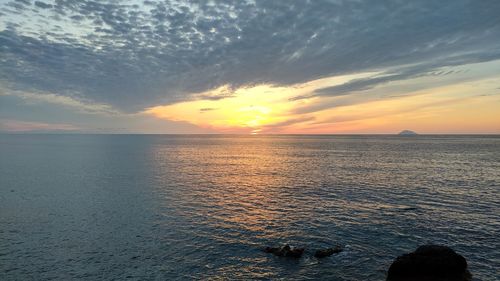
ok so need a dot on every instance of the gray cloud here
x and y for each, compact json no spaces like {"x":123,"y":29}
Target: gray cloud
{"x":43,"y":5}
{"x":207,"y":109}
{"x":133,"y":56}
{"x":419,"y":70}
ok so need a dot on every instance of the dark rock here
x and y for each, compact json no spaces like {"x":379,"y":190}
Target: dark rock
{"x":430,"y":263}
{"x":285,"y":251}
{"x":328,"y":252}
{"x":294,"y":252}
{"x":271,"y":250}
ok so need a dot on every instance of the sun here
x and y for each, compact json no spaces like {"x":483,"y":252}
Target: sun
{"x":246,"y":110}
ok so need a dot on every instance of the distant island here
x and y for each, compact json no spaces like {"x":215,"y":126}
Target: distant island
{"x":407,"y":133}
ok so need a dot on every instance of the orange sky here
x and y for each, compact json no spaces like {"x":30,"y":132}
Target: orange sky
{"x":445,"y":105}
{"x":250,"y":67}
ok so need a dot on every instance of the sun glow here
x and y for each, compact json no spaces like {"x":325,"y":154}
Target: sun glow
{"x":252,"y":110}
{"x":247,"y":110}
{"x":275,"y":109}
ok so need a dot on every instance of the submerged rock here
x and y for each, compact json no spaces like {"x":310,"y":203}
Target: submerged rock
{"x":430,"y":263}
{"x":285,"y":251}
{"x":328,"y":252}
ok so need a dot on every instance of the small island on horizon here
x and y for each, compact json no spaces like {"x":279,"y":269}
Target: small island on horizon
{"x":407,"y":133}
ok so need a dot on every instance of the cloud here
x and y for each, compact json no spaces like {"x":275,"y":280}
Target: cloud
{"x":278,"y":126}
{"x":43,"y":5}
{"x":434,"y":68}
{"x":80,"y":105}
{"x":399,"y":82}
{"x":133,"y":56}
{"x":16,"y":126}
{"x":406,"y":109}
{"x":205,"y":109}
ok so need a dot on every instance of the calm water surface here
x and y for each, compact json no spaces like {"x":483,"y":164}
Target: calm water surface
{"x":115,"y":207}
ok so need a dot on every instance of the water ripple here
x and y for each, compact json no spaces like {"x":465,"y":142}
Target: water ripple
{"x":202,"y":207}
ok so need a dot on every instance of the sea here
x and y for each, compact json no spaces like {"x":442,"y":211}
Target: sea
{"x":202,"y":207}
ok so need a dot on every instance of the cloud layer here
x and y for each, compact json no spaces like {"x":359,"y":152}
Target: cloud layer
{"x":136,"y":54}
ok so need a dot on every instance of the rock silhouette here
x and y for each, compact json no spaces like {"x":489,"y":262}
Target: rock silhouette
{"x":429,"y":263}
{"x":285,"y":251}
{"x":327,"y":252}
{"x":407,"y":133}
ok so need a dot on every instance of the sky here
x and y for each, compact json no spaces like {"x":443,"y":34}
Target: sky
{"x":250,"y":67}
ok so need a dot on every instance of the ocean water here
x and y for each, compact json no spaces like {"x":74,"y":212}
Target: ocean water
{"x":139,"y":207}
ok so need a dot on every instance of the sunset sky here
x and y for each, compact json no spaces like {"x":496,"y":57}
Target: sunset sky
{"x":251,"y":67}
